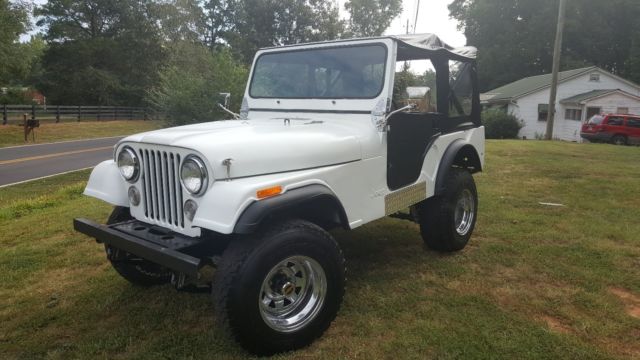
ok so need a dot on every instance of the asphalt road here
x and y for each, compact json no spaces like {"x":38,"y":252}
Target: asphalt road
{"x":29,"y":162}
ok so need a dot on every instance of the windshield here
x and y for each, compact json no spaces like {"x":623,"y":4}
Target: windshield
{"x":596,"y":120}
{"x":355,"y":72}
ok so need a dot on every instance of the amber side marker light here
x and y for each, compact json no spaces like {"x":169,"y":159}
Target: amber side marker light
{"x":269,"y":192}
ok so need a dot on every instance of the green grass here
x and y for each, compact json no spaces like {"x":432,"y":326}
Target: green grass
{"x":535,"y":282}
{"x":12,"y":134}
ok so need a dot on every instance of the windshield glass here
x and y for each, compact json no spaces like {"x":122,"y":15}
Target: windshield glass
{"x":324,"y":73}
{"x":596,"y":120}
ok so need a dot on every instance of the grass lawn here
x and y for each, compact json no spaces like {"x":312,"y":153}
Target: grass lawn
{"x":535,"y":282}
{"x":50,"y":132}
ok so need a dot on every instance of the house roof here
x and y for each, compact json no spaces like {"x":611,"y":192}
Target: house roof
{"x":590,"y":95}
{"x":531,"y":84}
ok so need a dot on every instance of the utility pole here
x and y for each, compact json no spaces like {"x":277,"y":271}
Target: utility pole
{"x":415,"y":22}
{"x":557,"y":51}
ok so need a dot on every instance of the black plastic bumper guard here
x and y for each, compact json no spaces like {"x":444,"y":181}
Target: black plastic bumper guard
{"x":149,"y":242}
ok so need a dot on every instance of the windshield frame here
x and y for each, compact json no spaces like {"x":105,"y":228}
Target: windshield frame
{"x":368,"y":44}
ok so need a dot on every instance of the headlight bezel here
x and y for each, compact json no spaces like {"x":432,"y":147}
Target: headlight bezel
{"x":136,"y":164}
{"x":204,"y":178}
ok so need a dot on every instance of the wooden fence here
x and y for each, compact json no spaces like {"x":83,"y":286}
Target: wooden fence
{"x":58,"y":113}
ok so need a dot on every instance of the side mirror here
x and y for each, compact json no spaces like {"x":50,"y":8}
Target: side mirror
{"x":224,"y":98}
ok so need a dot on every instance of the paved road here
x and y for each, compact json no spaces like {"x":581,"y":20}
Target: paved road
{"x":23,"y":163}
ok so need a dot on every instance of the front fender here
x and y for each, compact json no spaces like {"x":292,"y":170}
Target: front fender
{"x":106,"y":184}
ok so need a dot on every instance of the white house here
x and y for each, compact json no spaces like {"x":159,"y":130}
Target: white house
{"x":582,"y":93}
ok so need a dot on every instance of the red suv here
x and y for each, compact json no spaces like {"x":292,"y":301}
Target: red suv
{"x":617,"y":129}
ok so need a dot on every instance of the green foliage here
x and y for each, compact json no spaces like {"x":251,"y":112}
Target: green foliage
{"x":632,"y":65}
{"x":189,"y":86}
{"x":14,"y":97}
{"x":500,"y":125}
{"x":264,"y":23}
{"x":101,"y":52}
{"x":516,"y":37}
{"x":371,"y":17}
{"x":14,"y":21}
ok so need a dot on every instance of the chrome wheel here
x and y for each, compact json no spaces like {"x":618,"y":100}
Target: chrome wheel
{"x":292,"y":293}
{"x":464,"y":212}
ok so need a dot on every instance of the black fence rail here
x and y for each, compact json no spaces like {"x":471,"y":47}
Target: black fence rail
{"x":58,"y":113}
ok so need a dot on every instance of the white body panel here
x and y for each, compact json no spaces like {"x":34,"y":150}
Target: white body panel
{"x":106,"y":184}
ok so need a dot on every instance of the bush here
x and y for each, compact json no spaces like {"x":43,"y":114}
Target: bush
{"x":189,"y":86}
{"x":500,"y":125}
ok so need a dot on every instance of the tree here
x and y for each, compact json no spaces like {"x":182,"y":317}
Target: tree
{"x":515,"y":37}
{"x":102,"y":52}
{"x":265,"y":23}
{"x":371,"y":17}
{"x":219,"y":17}
{"x":632,"y":65}
{"x":191,"y":81}
{"x":14,"y":21}
{"x":179,"y":20}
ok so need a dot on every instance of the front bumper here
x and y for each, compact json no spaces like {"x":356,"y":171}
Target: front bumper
{"x":158,"y":245}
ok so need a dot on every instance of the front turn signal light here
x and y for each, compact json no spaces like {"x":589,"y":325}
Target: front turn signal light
{"x":269,"y":192}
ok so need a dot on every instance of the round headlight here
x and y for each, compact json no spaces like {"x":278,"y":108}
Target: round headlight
{"x":128,"y":164}
{"x":193,"y":175}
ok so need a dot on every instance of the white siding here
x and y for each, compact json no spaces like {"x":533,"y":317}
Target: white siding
{"x":526,"y":108}
{"x":610,"y":104}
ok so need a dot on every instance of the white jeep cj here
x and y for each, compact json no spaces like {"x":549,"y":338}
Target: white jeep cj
{"x":318,"y":144}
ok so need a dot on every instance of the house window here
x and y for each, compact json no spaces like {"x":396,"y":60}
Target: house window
{"x":573,"y":114}
{"x":543,"y":112}
{"x":623,"y":110}
{"x":594,"y":77}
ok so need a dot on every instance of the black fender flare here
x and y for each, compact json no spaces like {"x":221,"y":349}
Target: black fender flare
{"x":450,"y":158}
{"x":306,"y":202}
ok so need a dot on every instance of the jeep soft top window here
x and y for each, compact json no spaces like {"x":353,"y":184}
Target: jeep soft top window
{"x":355,"y":72}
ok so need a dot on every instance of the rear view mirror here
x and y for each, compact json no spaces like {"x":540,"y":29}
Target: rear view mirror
{"x":224,"y":98}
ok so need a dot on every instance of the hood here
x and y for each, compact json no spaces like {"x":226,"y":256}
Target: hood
{"x":265,"y":146}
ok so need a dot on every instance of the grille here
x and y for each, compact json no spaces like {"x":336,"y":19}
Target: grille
{"x":161,"y":187}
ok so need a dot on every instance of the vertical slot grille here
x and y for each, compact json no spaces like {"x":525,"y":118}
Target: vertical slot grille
{"x":161,"y":187}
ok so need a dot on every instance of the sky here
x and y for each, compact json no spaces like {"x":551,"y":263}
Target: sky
{"x":433,"y":17}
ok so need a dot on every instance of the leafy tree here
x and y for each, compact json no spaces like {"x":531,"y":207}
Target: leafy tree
{"x":14,"y":21}
{"x":516,"y":37}
{"x":102,"y":52}
{"x":264,"y":23}
{"x":632,"y":65}
{"x":371,"y":17}
{"x":189,"y":85}
{"x":179,"y":20}
{"x":219,"y":17}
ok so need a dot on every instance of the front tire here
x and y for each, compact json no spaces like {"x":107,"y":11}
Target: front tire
{"x":132,"y":268}
{"x":447,"y":220}
{"x":280,"y":291}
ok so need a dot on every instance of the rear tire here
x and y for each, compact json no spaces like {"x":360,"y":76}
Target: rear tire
{"x":132,"y":268}
{"x":447,"y":220}
{"x":619,"y":140}
{"x":281,"y":290}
